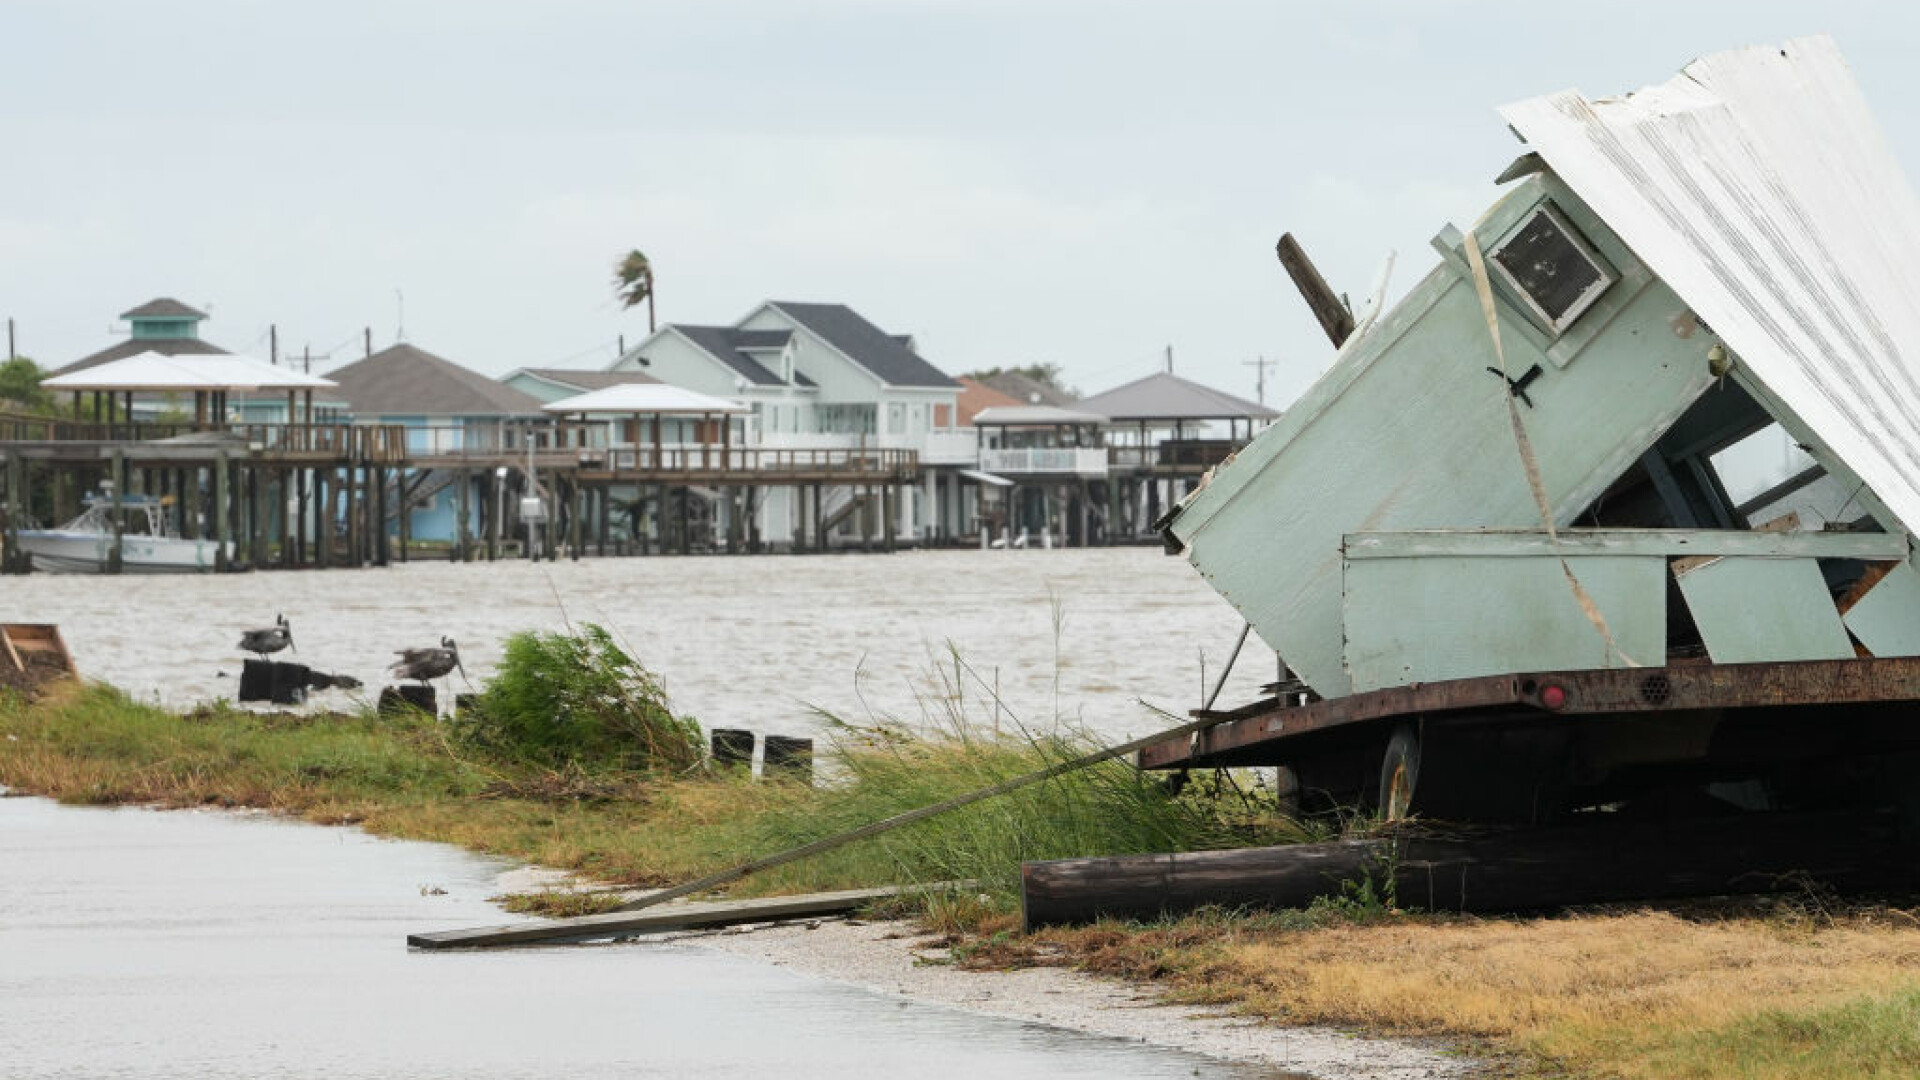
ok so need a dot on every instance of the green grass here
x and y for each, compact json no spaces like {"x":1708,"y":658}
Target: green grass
{"x":1873,"y":1038}
{"x":407,"y":776}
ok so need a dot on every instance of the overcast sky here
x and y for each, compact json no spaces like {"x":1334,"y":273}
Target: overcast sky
{"x":1013,"y":182}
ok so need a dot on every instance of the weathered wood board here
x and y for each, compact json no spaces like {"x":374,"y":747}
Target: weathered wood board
{"x":654,"y":920}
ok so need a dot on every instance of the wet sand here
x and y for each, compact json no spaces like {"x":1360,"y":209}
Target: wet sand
{"x":891,"y":958}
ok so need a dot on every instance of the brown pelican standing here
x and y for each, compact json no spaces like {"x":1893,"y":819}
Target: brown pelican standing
{"x":428,"y":664}
{"x":269,"y":640}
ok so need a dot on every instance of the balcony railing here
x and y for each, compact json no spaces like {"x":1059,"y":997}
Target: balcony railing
{"x":1046,"y":460}
{"x":377,"y":443}
{"x":854,"y":464}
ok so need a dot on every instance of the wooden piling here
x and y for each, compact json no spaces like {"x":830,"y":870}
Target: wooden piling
{"x":221,"y":533}
{"x":322,"y":517}
{"x":118,"y":469}
{"x":464,"y":502}
{"x":578,"y":501}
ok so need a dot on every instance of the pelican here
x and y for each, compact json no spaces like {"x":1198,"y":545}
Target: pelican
{"x":428,"y":664}
{"x":269,"y":640}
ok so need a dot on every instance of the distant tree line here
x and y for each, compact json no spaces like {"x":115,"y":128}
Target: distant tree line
{"x":20,"y":386}
{"x":1048,"y":375}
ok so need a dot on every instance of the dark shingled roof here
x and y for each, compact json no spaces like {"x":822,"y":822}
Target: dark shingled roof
{"x":1166,"y":396}
{"x":725,"y":343}
{"x":164,"y":307}
{"x":136,"y":346}
{"x":402,"y":380}
{"x":885,"y":355}
{"x":584,"y":379}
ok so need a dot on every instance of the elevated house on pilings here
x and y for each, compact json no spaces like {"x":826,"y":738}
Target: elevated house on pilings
{"x":702,"y":493}
{"x":822,"y":380}
{"x":1047,"y":461}
{"x":211,"y":479}
{"x":475,"y":448}
{"x":1164,"y":433}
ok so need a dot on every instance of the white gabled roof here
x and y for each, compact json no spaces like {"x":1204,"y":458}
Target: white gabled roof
{"x":1756,"y":185}
{"x":656,"y":397}
{"x":187,"y":371}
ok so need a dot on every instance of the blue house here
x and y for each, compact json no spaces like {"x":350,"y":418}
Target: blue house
{"x":447,"y":409}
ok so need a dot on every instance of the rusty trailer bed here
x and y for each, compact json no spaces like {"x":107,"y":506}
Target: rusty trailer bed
{"x":1266,"y":731}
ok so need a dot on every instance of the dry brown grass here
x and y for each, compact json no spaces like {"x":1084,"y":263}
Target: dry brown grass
{"x":1638,"y":995}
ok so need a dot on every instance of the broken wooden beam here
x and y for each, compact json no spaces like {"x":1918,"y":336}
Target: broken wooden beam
{"x":1487,"y":871}
{"x":1326,"y":304}
{"x":656,"y":920}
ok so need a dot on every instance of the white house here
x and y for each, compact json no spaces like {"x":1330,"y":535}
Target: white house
{"x":821,"y":376}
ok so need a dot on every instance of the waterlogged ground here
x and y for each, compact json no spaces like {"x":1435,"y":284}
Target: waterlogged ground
{"x":136,"y":943}
{"x":741,"y":642}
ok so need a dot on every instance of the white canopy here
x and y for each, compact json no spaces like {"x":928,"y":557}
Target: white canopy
{"x":644,"y":398}
{"x":1756,"y":185}
{"x":1033,"y":416}
{"x":189,"y":371}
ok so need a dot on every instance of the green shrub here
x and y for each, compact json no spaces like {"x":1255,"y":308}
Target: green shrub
{"x":577,"y":700}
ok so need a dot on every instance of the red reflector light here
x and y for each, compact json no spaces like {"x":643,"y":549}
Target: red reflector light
{"x":1553,"y":697}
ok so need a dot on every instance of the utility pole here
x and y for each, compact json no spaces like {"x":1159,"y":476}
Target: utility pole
{"x":273,"y":344}
{"x":1169,"y":359}
{"x":1260,"y":365}
{"x":307,"y":357}
{"x":368,"y":339}
{"x":11,"y":351}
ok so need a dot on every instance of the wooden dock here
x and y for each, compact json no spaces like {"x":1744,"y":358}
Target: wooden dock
{"x":679,"y":916}
{"x":330,"y":494}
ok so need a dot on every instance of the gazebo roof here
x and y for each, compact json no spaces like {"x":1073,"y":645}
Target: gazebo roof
{"x":1033,"y":416}
{"x":1166,"y":396}
{"x":216,"y":371}
{"x":656,"y":397}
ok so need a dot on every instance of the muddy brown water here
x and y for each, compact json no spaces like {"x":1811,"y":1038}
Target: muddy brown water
{"x":136,"y":943}
{"x":1098,"y":637}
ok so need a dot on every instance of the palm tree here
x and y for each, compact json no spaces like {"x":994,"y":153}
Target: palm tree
{"x":633,"y":282}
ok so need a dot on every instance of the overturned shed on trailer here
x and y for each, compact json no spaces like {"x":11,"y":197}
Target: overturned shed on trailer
{"x":1502,"y":544}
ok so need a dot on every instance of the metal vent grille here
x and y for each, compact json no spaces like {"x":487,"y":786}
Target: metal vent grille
{"x":1554,"y":270}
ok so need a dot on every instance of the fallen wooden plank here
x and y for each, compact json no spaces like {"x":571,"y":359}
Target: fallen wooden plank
{"x":656,"y":920}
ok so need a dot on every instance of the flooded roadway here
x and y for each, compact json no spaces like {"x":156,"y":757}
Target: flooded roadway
{"x":136,"y":943}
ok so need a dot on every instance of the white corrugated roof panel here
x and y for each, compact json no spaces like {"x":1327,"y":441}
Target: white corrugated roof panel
{"x":1758,"y":187}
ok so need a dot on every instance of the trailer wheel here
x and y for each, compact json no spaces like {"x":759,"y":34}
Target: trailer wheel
{"x":1399,"y":772}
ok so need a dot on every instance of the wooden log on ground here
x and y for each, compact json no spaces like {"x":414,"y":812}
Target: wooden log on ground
{"x":1488,"y":871}
{"x":655,"y":920}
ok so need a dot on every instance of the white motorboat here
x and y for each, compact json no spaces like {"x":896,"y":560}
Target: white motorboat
{"x":147,"y":545}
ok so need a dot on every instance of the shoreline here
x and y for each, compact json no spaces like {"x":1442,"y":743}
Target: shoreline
{"x":895,"y":958}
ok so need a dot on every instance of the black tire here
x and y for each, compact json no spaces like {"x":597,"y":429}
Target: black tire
{"x":1399,"y":774}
